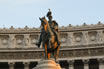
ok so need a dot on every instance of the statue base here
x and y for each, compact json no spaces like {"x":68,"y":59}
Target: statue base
{"x":47,"y":64}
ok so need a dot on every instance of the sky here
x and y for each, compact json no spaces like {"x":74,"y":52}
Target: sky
{"x":21,"y":13}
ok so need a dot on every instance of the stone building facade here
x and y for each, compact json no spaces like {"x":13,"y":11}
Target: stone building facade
{"x":82,"y":47}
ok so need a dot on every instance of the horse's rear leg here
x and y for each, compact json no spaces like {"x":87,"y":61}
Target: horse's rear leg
{"x":57,"y":53}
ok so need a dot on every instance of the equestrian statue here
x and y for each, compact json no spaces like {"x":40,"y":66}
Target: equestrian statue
{"x":49,"y":37}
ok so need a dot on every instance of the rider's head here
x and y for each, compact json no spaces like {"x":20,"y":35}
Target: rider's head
{"x":49,"y":15}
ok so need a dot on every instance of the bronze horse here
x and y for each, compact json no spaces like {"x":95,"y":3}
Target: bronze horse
{"x":49,"y":42}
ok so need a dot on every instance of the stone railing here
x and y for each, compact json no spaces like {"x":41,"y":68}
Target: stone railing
{"x":71,"y":36}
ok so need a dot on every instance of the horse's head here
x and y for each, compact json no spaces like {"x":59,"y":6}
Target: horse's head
{"x":44,"y":23}
{"x":43,"y":20}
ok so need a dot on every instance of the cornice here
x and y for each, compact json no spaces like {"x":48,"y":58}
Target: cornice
{"x":69,"y":28}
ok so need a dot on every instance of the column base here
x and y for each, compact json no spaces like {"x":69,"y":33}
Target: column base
{"x":47,"y":64}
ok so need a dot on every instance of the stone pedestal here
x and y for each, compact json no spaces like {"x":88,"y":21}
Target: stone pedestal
{"x":47,"y":64}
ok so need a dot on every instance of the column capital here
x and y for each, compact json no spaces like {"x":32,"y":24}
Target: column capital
{"x":26,"y":63}
{"x":71,"y":62}
{"x":11,"y":64}
{"x":101,"y":60}
{"x":85,"y":61}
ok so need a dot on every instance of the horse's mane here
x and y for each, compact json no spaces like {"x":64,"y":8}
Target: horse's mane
{"x":48,"y":26}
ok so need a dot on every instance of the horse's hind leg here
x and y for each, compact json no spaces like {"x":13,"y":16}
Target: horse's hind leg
{"x":57,"y":53}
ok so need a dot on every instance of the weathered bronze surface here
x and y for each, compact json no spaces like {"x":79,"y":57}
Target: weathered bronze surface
{"x":49,"y":36}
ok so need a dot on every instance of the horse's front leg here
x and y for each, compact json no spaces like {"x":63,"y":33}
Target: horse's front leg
{"x":46,"y":53}
{"x":56,"y":51}
{"x":49,"y":54}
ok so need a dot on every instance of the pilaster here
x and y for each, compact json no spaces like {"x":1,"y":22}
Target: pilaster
{"x":26,"y":40}
{"x":85,"y":37}
{"x":100,"y":36}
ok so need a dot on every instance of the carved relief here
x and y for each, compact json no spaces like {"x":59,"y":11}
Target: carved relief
{"x":92,"y":36}
{"x":69,"y":36}
{"x":63,"y":37}
{"x":34,"y":39}
{"x":78,"y":37}
{"x":4,"y":39}
{"x":19,"y":39}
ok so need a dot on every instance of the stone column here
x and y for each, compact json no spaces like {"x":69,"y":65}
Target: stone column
{"x":26,"y":65}
{"x":71,"y":64}
{"x":11,"y":65}
{"x":86,"y":64}
{"x":101,"y":63}
{"x":47,"y":64}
